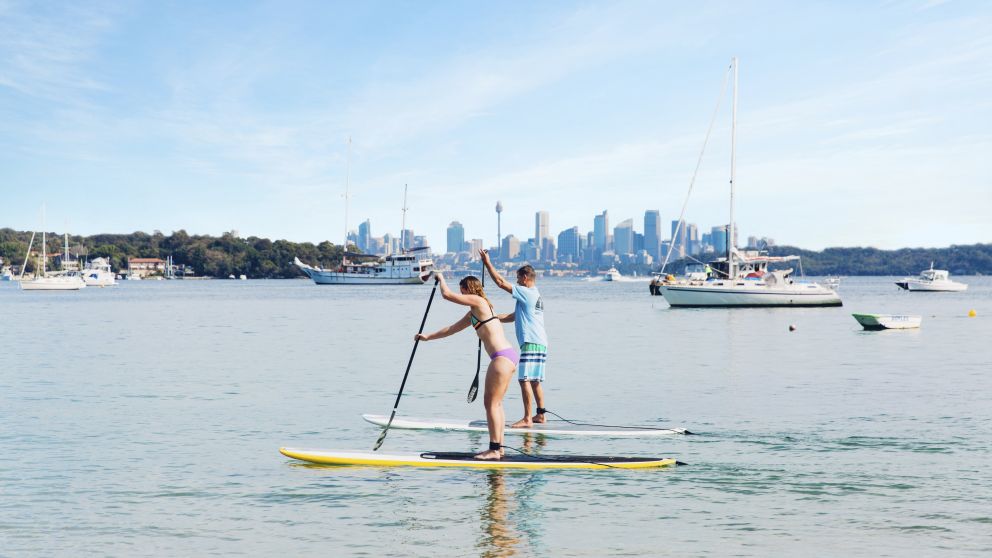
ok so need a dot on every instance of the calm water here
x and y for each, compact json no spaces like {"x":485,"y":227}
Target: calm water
{"x":145,"y":420}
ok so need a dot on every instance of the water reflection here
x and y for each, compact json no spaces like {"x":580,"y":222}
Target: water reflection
{"x":509,"y":516}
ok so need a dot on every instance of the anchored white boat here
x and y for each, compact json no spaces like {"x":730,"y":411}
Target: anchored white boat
{"x":397,"y":269}
{"x":97,"y":273}
{"x":64,"y":281}
{"x":612,"y":275}
{"x":888,"y":321}
{"x":932,"y":280}
{"x":406,"y":268}
{"x":741,"y":280}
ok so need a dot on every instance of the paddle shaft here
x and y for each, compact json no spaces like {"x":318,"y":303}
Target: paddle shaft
{"x":473,"y":390}
{"x":406,"y":374}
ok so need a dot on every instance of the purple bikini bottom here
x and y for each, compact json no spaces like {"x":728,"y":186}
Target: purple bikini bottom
{"x":508,"y":353}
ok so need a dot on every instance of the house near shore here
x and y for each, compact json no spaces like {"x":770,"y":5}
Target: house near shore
{"x":146,"y":266}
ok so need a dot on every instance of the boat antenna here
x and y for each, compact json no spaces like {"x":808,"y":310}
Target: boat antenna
{"x":733,"y":172}
{"x":699,"y":161}
{"x":403,"y":221}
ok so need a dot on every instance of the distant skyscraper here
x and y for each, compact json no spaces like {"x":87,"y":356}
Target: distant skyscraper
{"x":569,"y":247}
{"x":510,"y":247}
{"x":601,"y":231}
{"x":420,"y":241}
{"x":456,"y":237}
{"x":499,"y":227}
{"x":692,"y":238}
{"x":364,"y":236}
{"x":406,"y":239}
{"x":541,"y":232}
{"x":652,"y":232}
{"x":719,"y":236}
{"x":678,"y":244}
{"x":474,"y":246}
{"x":623,"y":237}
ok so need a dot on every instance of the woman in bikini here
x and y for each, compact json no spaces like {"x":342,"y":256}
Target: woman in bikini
{"x":504,"y":357}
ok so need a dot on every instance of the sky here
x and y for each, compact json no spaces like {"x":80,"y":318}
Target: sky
{"x":859,"y":124}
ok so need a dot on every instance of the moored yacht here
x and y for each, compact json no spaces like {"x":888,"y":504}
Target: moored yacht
{"x":59,"y":281}
{"x":97,"y":273}
{"x":932,"y":280}
{"x":742,"y":280}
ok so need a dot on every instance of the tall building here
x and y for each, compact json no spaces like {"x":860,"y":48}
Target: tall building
{"x":652,"y":232}
{"x":719,"y":236}
{"x":456,"y":237}
{"x":678,"y":244}
{"x":541,"y":232}
{"x":692,"y":238}
{"x":499,"y":227}
{"x":420,"y":241}
{"x":569,"y":247}
{"x":474,"y":246}
{"x":623,"y":237}
{"x":364,"y":240}
{"x":510,"y":247}
{"x":406,"y":239}
{"x":601,"y":231}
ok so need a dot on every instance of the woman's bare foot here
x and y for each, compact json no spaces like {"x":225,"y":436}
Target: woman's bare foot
{"x":540,"y":419}
{"x":522,"y":423}
{"x":489,"y":455}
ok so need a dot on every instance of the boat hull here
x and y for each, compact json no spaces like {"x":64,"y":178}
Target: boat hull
{"x":705,"y":296}
{"x":334,"y":278}
{"x":49,"y":285}
{"x":924,"y":287}
{"x":876,"y":322}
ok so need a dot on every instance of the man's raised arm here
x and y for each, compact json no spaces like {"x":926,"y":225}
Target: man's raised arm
{"x":500,"y":281}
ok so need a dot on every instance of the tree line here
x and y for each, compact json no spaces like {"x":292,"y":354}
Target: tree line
{"x":207,"y":255}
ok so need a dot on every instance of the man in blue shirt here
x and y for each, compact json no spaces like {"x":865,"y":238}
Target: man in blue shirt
{"x":528,"y":319}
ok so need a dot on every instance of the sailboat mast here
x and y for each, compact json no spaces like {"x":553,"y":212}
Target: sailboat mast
{"x":44,"y":239}
{"x":731,"y":268}
{"x":347,"y":182}
{"x":403,"y":221}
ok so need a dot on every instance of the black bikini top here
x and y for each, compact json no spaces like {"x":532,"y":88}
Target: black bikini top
{"x":477,"y":323}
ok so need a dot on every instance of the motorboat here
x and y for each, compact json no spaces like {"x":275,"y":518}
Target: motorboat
{"x":612,"y":275}
{"x":97,"y":273}
{"x":932,"y":280}
{"x":875,"y":322}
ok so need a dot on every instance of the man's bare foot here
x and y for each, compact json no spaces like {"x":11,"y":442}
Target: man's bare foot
{"x":489,"y":455}
{"x":540,"y":418}
{"x":522,"y":423}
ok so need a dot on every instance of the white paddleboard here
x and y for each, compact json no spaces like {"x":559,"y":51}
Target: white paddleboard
{"x":550,"y":428}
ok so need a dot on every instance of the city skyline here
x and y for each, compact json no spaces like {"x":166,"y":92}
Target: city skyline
{"x":562,"y":107}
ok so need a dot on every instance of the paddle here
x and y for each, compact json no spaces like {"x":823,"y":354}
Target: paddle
{"x":382,"y":437}
{"x":473,"y":391}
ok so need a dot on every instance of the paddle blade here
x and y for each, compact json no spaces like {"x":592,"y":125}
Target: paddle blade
{"x":474,"y":390}
{"x":382,"y":437}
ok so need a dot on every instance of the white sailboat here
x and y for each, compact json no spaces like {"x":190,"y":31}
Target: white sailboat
{"x":405,"y":268}
{"x":743,"y":279}
{"x":932,"y":280}
{"x":65,"y":281}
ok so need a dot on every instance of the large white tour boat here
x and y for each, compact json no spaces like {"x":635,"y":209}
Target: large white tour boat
{"x":742,"y":280}
{"x":396,"y":269}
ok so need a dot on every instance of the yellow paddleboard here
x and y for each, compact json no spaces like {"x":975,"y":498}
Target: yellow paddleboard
{"x":452,"y":459}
